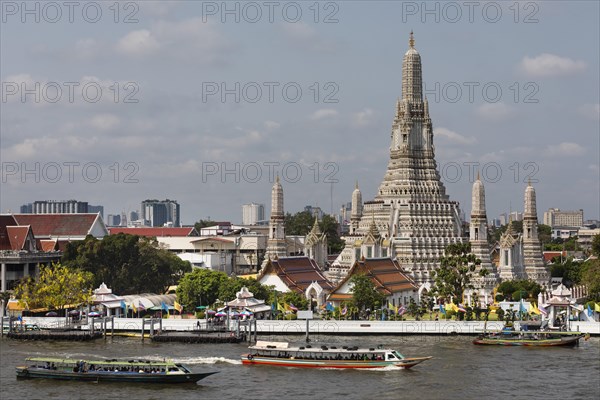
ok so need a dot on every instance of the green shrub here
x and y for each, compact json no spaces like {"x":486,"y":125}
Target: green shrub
{"x":499,"y":297}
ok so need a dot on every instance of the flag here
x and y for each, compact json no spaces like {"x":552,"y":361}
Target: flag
{"x":178,"y":306}
{"x":141,"y":306}
{"x":280,"y":308}
{"x":393,"y":307}
{"x":442,"y":309}
{"x":293,"y":307}
{"x":401,"y":310}
{"x":543,"y":311}
{"x":597,"y":307}
{"x":133,"y":307}
{"x":123,"y":305}
{"x":461,"y":308}
{"x":452,"y":307}
{"x":344,"y":310}
{"x":522,"y":308}
{"x":329,"y":306}
{"x":589,"y":311}
{"x":164,"y":307}
{"x":534,"y":309}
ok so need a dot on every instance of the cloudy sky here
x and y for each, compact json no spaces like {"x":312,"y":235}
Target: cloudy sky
{"x":203,"y":103}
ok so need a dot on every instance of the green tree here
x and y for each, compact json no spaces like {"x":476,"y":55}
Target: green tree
{"x":229,"y":288}
{"x":331,"y":227}
{"x":201,"y":287}
{"x":544,"y":233}
{"x":456,"y":270}
{"x":128,"y":264}
{"x":590,"y":277}
{"x":527,"y":289}
{"x":298,"y":224}
{"x":56,"y":287}
{"x":203,"y":223}
{"x":596,"y":246}
{"x":298,"y":300}
{"x":364,"y":293}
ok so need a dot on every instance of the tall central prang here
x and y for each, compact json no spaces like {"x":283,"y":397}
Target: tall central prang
{"x":411,"y":211}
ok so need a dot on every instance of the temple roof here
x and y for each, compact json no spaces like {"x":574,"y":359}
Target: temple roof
{"x":297,"y":273}
{"x":386,"y":274}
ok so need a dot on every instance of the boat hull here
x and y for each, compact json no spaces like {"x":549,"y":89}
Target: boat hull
{"x":336,"y":364}
{"x":31,"y":373}
{"x":499,"y":341}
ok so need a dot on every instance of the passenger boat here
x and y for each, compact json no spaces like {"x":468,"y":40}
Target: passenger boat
{"x":110,"y":370}
{"x":281,"y":354}
{"x":531,"y":338}
{"x":525,"y":336}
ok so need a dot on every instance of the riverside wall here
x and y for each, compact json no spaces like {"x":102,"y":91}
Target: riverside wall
{"x":325,"y":327}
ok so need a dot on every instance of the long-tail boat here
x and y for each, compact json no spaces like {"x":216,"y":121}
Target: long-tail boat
{"x":281,"y":354}
{"x":143,"y":371}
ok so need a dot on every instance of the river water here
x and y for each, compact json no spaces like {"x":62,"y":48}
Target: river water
{"x":459,"y":370}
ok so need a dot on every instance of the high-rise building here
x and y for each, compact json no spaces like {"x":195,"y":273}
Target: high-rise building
{"x":113,"y":220}
{"x":96,"y":209}
{"x":314,"y":211}
{"x":26,"y":208}
{"x":555,"y":217}
{"x":59,"y":207}
{"x":414,"y":218}
{"x":253,"y":213}
{"x":161,"y":212}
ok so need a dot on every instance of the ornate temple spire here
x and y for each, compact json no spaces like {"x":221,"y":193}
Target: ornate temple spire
{"x":277,"y":200}
{"x":530,"y":202}
{"x":356,"y":210}
{"x":478,"y":199}
{"x":411,"y":74}
{"x":315,"y":229}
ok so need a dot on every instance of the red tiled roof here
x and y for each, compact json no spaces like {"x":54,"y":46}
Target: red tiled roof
{"x":386,"y":274}
{"x":549,"y":255}
{"x":58,"y":224}
{"x":48,"y":245}
{"x":298,"y":273}
{"x":155,"y":231}
{"x":17,"y":235}
{"x":6,"y":220}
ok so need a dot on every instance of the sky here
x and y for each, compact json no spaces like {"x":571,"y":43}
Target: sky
{"x":205,"y":102}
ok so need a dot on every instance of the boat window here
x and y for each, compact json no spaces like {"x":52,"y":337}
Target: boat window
{"x":390,"y":356}
{"x":398,"y":355}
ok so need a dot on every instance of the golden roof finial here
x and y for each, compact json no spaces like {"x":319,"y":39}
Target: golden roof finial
{"x":411,"y":41}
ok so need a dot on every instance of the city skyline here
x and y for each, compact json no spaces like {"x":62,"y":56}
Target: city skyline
{"x":183,"y":140}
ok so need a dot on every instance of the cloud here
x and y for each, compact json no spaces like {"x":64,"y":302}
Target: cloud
{"x":494,"y":111}
{"x":547,"y":65}
{"x":271,"y":125}
{"x":454,"y":137}
{"x":564,"y":149}
{"x":138,"y":43}
{"x":104,"y":122}
{"x":323,"y":113}
{"x":591,"y":111}
{"x":363,"y":118}
{"x":594,"y":168}
{"x":189,"y":38}
{"x":307,"y":37}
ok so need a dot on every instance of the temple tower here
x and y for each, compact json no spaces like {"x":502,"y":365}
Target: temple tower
{"x":276,"y":245}
{"x":479,"y":242}
{"x":532,"y":248}
{"x":356,"y":210}
{"x":411,"y":208}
